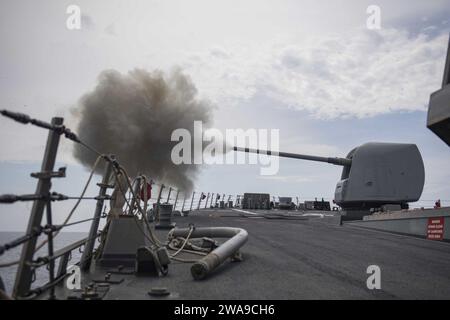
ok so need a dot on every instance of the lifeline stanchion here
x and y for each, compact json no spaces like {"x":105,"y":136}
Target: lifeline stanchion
{"x":206,"y":202}
{"x":24,"y":273}
{"x":168,"y":195}
{"x":199,"y":201}
{"x":176,"y":200}
{"x":184,"y":201}
{"x":158,"y":202}
{"x":212,"y":196}
{"x":85,"y":261}
{"x":192,"y":201}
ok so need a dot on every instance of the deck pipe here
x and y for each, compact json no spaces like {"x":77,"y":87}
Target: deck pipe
{"x":202,"y":268}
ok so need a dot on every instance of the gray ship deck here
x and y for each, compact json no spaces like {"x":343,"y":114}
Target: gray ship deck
{"x":301,"y":259}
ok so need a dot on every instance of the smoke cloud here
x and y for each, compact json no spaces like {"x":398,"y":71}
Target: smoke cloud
{"x":133,"y":116}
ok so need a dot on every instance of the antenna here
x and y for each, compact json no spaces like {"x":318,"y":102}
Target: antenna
{"x":446,"y":78}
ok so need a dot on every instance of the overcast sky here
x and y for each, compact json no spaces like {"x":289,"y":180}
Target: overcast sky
{"x":309,"y":68}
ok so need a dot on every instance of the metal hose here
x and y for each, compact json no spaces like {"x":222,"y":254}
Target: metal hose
{"x":237,"y":238}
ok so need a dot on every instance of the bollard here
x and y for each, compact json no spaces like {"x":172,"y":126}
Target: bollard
{"x":165,"y":217}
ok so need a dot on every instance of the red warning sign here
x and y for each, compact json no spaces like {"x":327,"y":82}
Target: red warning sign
{"x":435,"y":230}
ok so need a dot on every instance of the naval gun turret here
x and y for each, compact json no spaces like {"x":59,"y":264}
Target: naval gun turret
{"x":374,"y":174}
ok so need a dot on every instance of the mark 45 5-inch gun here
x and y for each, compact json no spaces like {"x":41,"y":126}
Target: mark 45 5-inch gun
{"x":374,"y":174}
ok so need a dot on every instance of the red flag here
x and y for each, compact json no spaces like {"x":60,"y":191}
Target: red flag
{"x":149,"y":191}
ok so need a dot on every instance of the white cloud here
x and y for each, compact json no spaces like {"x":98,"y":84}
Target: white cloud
{"x":362,"y":74}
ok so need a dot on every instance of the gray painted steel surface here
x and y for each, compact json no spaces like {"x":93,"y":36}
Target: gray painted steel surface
{"x":438,"y":118}
{"x":301,"y":259}
{"x":382,"y":173}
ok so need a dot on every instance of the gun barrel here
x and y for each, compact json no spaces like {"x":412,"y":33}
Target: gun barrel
{"x":336,"y":161}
